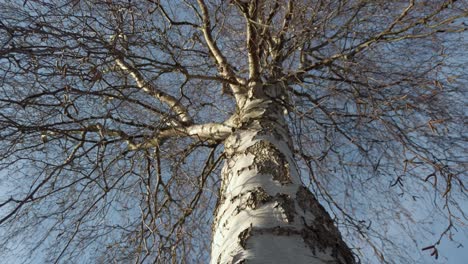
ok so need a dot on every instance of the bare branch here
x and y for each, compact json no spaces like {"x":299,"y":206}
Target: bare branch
{"x":224,"y":67}
{"x":173,"y":103}
{"x":213,"y":132}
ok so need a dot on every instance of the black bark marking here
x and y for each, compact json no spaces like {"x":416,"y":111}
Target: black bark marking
{"x":238,"y":259}
{"x":277,"y":230}
{"x":244,"y":235}
{"x":287,"y":204}
{"x":269,"y":160}
{"x":322,"y":233}
{"x":256,"y":197}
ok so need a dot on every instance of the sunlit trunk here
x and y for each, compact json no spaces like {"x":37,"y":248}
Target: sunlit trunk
{"x":265,"y":214}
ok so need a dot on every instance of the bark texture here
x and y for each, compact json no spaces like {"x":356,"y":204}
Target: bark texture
{"x":265,"y":214}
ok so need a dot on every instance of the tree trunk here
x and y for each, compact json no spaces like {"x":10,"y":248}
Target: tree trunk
{"x":264,"y":213}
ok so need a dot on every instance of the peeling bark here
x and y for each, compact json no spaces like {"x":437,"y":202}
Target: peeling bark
{"x":265,"y":214}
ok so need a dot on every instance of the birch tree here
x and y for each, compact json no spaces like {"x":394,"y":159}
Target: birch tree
{"x":199,"y":131}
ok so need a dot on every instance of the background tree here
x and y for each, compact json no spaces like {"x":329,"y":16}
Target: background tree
{"x":113,"y":116}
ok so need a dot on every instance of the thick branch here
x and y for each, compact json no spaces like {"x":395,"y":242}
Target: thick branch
{"x":173,"y":103}
{"x":209,"y":131}
{"x":225,"y":69}
{"x":251,"y":16}
{"x":278,"y":57}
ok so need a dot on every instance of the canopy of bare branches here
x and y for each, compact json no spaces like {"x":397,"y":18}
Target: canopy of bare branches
{"x":113,"y":114}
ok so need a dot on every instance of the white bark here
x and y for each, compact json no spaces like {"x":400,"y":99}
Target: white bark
{"x":264,"y":213}
{"x":210,"y":131}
